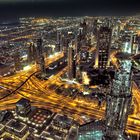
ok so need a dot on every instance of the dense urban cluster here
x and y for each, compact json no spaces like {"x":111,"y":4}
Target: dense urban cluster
{"x":70,"y":78}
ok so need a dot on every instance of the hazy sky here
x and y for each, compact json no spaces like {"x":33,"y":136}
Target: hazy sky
{"x":10,"y":9}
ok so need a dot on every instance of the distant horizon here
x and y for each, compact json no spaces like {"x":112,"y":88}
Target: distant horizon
{"x":62,"y":8}
{"x":16,"y":19}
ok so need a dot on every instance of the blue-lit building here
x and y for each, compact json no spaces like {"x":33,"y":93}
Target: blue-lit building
{"x":119,"y":101}
{"x":93,"y":135}
{"x":91,"y":131}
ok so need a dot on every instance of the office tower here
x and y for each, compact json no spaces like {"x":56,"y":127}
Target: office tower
{"x":95,"y":27}
{"x":79,"y":39}
{"x":66,"y":40}
{"x":31,"y":53}
{"x":82,"y":35}
{"x":23,"y":107}
{"x":138,"y":42}
{"x":135,"y":44}
{"x":108,"y":22}
{"x":62,"y":42}
{"x":118,"y":30}
{"x":83,"y":26}
{"x":40,"y":57}
{"x":84,"y":54}
{"x":103,"y":47}
{"x":119,"y":101}
{"x":127,"y":43}
{"x":71,"y":61}
{"x":58,"y":42}
{"x":17,"y":62}
{"x":65,"y":46}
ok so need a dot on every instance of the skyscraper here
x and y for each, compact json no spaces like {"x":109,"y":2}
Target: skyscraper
{"x":135,"y":44}
{"x":31,"y":53}
{"x":83,"y":55}
{"x":83,"y":26}
{"x":119,"y":101}
{"x":71,"y":61}
{"x":40,"y":56}
{"x":127,"y":43}
{"x":58,"y":42}
{"x":138,"y":42}
{"x":17,"y":62}
{"x":103,"y":47}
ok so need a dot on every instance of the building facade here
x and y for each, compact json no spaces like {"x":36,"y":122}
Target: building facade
{"x":118,"y":102}
{"x":103,"y":47}
{"x":40,"y":57}
{"x":71,"y":61}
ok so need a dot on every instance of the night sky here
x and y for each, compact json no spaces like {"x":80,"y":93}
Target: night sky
{"x":12,"y":9}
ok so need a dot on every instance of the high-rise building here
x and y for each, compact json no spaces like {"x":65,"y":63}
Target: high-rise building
{"x":31,"y":53}
{"x":83,"y":26}
{"x":66,"y":40}
{"x":82,"y":35}
{"x":40,"y":57}
{"x":103,"y":47}
{"x":62,"y":42}
{"x":79,"y":39}
{"x":65,"y":46}
{"x":71,"y":61}
{"x":95,"y":27}
{"x":119,"y":101}
{"x":138,"y":42}
{"x":131,"y":43}
{"x":84,"y":54}
{"x":127,"y":43}
{"x":135,"y":44}
{"x":58,"y":42}
{"x":17,"y":62}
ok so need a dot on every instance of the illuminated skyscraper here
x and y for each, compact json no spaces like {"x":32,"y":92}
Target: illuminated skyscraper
{"x":58,"y":42}
{"x":127,"y":43}
{"x":103,"y":47}
{"x":119,"y":101}
{"x":31,"y":53}
{"x":79,"y":39}
{"x":135,"y":44}
{"x":65,"y":46}
{"x":83,"y":26}
{"x":84,"y":54}
{"x":131,"y":43}
{"x":138,"y":42}
{"x":95,"y":27}
{"x":40,"y":57}
{"x":71,"y":61}
{"x":17,"y":61}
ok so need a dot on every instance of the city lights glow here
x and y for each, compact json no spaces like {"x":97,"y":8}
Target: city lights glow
{"x":71,"y":77}
{"x":86,"y":79}
{"x":26,"y":68}
{"x":127,"y":47}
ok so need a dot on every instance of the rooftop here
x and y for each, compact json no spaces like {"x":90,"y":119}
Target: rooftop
{"x":23,"y":101}
{"x":123,"y":56}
